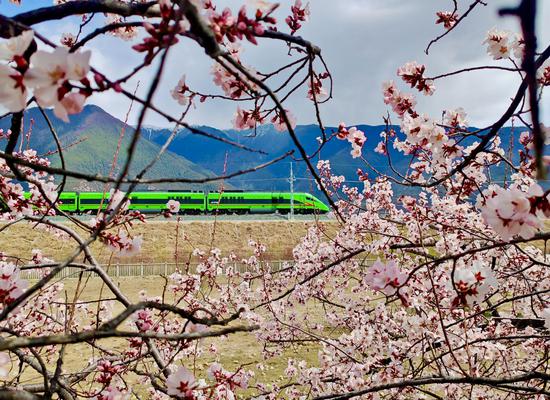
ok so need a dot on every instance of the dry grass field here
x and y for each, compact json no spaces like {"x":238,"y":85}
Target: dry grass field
{"x":160,"y":240}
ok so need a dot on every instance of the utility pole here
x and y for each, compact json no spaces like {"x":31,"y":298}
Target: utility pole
{"x":291,"y":180}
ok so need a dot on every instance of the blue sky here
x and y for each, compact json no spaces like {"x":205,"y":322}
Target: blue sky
{"x":363,"y":42}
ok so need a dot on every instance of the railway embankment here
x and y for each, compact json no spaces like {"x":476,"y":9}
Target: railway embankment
{"x":169,"y":241}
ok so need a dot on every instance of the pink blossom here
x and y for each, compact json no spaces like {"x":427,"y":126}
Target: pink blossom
{"x":49,"y":70}
{"x":224,"y":392}
{"x":518,"y":46}
{"x":117,"y":199}
{"x":221,"y":23}
{"x":173,"y":206}
{"x":447,"y":18}
{"x":413,"y":74}
{"x":401,"y":103}
{"x":14,"y":48}
{"x":509,"y":213}
{"x":300,"y":14}
{"x":49,"y":75}
{"x":279,"y":123}
{"x":71,"y":103}
{"x":543,"y":74}
{"x":472,"y":283}
{"x":50,"y":191}
{"x":13,"y":93}
{"x":216,"y":371}
{"x":357,"y":139}
{"x":342,"y":132}
{"x":37,"y":256}
{"x":389,"y":91}
{"x":178,"y":93}
{"x":455,"y":118}
{"x":320,"y":92}
{"x":181,"y":383}
{"x":356,"y":152}
{"x":225,"y":25}
{"x":107,"y":370}
{"x":5,"y":134}
{"x":356,"y":136}
{"x":497,"y":44}
{"x":162,"y":35}
{"x":143,"y":320}
{"x":68,"y":39}
{"x":232,"y":86}
{"x":125,"y":33}
{"x":247,"y":119}
{"x":11,"y":285}
{"x":386,"y":278}
{"x":381,"y":148}
{"x":123,"y":244}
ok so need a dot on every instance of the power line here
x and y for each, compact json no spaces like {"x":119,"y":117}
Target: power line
{"x":291,"y":180}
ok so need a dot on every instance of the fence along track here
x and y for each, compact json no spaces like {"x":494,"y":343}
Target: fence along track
{"x":155,"y":269}
{"x":141,"y":269}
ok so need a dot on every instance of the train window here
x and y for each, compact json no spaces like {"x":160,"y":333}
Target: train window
{"x":91,"y":201}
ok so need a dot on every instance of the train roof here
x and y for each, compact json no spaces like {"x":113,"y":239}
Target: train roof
{"x":225,"y":192}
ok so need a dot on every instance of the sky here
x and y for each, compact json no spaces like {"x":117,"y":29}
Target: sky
{"x":363,"y":43}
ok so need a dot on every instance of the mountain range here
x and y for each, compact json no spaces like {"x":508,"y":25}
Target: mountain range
{"x":90,"y":139}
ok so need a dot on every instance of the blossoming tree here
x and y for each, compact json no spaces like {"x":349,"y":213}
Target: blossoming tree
{"x":456,"y":306}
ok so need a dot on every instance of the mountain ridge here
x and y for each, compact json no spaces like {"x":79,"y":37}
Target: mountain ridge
{"x":92,"y":136}
{"x":96,"y":133}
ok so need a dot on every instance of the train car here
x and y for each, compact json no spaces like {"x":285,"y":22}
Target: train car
{"x":91,"y":201}
{"x":238,"y":202}
{"x":152,"y":202}
{"x":196,"y":202}
{"x":68,"y":201}
{"x":190,"y":202}
{"x":304,"y":203}
{"x":267,"y":202}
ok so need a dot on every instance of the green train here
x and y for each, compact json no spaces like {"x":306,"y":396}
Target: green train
{"x":197,"y":202}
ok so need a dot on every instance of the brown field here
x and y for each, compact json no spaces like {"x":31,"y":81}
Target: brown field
{"x":160,"y":240}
